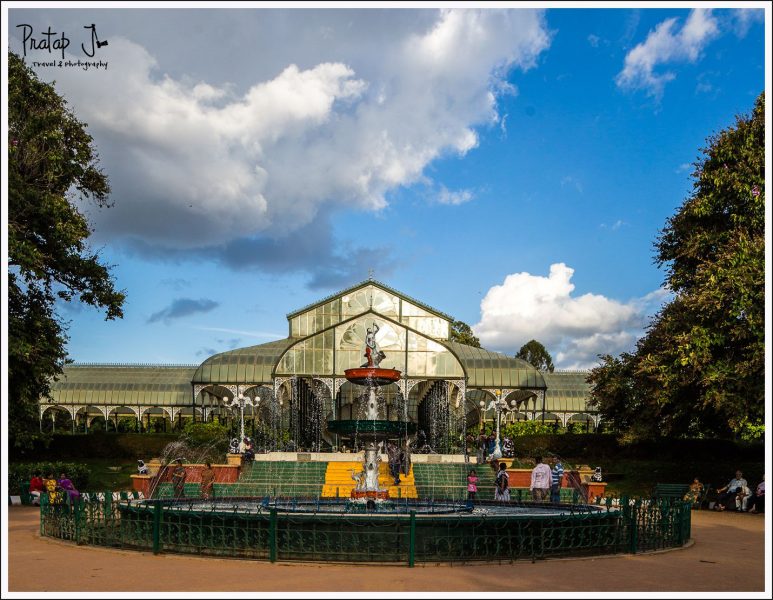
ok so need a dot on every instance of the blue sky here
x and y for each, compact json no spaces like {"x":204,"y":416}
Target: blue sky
{"x":509,"y":168}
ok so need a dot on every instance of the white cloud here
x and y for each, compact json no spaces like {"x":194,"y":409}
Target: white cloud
{"x":194,"y":164}
{"x":744,"y":18}
{"x":446,"y":196}
{"x":667,"y":44}
{"x":575,"y":329}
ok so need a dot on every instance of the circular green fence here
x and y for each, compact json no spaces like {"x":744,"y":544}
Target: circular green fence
{"x":272,"y":531}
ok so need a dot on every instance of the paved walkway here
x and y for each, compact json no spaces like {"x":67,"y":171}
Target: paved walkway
{"x":727,"y":555}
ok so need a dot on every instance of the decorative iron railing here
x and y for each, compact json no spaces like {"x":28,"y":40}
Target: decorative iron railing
{"x":260,"y":531}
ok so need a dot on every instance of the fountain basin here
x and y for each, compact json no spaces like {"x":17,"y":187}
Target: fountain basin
{"x":372,"y":376}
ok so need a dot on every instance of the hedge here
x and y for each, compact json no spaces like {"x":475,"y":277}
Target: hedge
{"x":20,"y":473}
{"x":100,"y":444}
{"x":599,"y":446}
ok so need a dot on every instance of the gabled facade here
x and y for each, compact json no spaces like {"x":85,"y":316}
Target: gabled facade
{"x":294,"y":386}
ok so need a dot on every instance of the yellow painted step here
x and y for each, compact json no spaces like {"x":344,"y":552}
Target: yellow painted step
{"x":338,"y":480}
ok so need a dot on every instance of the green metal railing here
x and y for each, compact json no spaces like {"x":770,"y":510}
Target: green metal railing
{"x":268,"y":534}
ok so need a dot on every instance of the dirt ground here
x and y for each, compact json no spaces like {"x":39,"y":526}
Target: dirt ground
{"x":728,"y":554}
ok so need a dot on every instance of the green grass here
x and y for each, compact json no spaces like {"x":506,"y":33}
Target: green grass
{"x":102,"y":478}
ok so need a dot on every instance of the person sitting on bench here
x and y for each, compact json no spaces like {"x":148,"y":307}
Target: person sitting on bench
{"x":728,"y":493}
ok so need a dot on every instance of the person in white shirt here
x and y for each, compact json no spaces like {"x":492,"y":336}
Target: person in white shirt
{"x":541,"y":479}
{"x":729,"y":492}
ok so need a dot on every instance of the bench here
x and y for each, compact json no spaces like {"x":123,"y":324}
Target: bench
{"x":672,"y":491}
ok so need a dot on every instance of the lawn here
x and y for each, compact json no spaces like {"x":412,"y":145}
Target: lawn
{"x":109,"y":474}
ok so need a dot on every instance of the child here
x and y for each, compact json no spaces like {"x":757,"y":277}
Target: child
{"x":472,"y":485}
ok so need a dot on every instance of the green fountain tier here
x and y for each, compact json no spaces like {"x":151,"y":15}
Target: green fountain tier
{"x":372,"y":376}
{"x":371,"y":427}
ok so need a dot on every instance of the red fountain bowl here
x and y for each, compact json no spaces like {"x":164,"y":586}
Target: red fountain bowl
{"x":376,"y":495}
{"x":372,"y":376}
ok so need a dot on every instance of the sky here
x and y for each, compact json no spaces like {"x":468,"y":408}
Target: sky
{"x":511,"y":167}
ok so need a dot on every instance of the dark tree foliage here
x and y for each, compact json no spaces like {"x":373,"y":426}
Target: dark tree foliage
{"x":50,"y":161}
{"x":700,"y":369}
{"x":536,"y":355}
{"x":462,"y":333}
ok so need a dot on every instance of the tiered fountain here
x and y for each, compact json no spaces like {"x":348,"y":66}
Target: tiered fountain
{"x":372,"y":429}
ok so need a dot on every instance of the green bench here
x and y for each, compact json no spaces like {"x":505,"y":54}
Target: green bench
{"x":672,"y":491}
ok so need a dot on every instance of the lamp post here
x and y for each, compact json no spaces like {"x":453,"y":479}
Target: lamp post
{"x":482,"y":405}
{"x":501,"y":405}
{"x":241,"y":402}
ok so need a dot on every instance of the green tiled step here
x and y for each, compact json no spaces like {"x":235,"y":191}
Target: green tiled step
{"x":285,"y":471}
{"x":242,"y":490}
{"x":449,"y":481}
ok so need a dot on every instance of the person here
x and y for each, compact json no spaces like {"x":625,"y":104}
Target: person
{"x":249,"y":451}
{"x":67,"y":487}
{"x":541,"y":478}
{"x":742,"y":498}
{"x":694,"y":493}
{"x":556,"y":477}
{"x":492,"y":444}
{"x":507,"y":447}
{"x":54,"y":493}
{"x":472,"y":484}
{"x":481,"y":449}
{"x":142,"y":468}
{"x":502,"y":483}
{"x":393,"y":452}
{"x":178,"y":479}
{"x":757,"y":502}
{"x":405,"y":459}
{"x":207,"y":481}
{"x":730,"y":491}
{"x":36,"y":488}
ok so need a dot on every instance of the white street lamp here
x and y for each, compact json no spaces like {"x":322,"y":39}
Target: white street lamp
{"x":501,"y":405}
{"x":241,"y":402}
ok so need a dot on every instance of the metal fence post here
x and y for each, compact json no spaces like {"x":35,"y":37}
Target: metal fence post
{"x":634,"y":529}
{"x":157,"y":527}
{"x":76,"y":507}
{"x":272,"y":535}
{"x":412,"y":540}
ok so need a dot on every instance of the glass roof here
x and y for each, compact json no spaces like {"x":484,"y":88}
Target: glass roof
{"x":127,"y":385}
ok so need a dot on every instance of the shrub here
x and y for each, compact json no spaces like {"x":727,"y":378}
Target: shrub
{"x":21,"y":473}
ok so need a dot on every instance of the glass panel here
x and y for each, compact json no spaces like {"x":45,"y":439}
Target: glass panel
{"x":428,"y":358}
{"x":424,"y":322}
{"x":350,"y":343}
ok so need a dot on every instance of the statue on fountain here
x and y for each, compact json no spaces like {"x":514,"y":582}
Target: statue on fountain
{"x":373,"y":353}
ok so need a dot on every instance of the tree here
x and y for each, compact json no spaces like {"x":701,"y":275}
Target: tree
{"x":50,"y":161}
{"x":536,"y":355}
{"x":462,"y":333}
{"x":700,"y":368}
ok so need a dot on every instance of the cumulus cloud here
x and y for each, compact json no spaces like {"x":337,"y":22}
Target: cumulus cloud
{"x":196,"y":164}
{"x":183,"y":307}
{"x":575,"y":329}
{"x":667,"y":44}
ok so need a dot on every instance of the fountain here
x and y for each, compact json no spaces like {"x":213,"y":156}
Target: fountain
{"x":372,"y":429}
